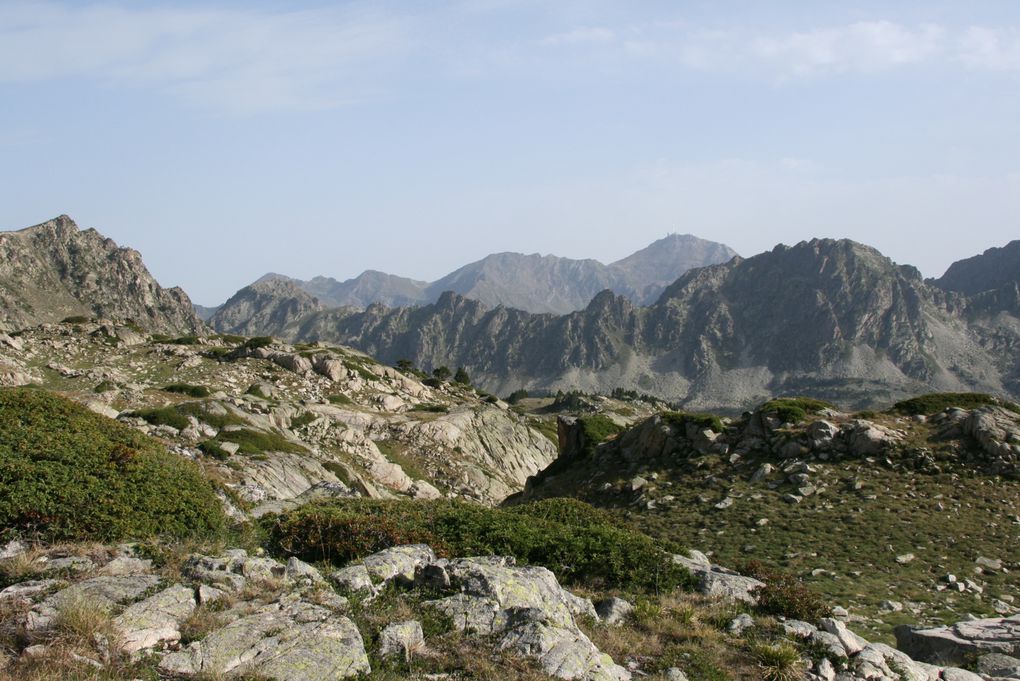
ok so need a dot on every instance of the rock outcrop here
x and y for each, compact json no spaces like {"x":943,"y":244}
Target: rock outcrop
{"x":53,"y":270}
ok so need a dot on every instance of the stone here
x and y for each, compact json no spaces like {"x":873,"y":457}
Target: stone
{"x":905,"y":558}
{"x":403,"y":639}
{"x":302,"y":573}
{"x":156,"y":619}
{"x":764,"y":471}
{"x":12,"y":549}
{"x":675,"y":674}
{"x":957,"y":643}
{"x":614,"y":611}
{"x":850,"y":641}
{"x":354,"y":579}
{"x":290,"y":640}
{"x":398,"y":563}
{"x":997,"y":664}
{"x":103,"y":593}
{"x":717,"y":581}
{"x":526,"y":608}
{"x":739,"y":624}
{"x":954,"y":674}
{"x":126,"y":565}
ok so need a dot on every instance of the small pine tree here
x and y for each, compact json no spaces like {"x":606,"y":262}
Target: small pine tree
{"x":462,"y":376}
{"x":405,"y":366}
{"x":443,"y":373}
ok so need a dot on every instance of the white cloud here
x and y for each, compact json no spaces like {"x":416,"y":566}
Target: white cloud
{"x":230,"y":60}
{"x":996,"y":49}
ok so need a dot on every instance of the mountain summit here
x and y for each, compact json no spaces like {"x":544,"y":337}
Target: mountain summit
{"x":55,"y":270}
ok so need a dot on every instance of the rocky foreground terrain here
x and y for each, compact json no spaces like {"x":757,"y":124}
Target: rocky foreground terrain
{"x":274,"y":421}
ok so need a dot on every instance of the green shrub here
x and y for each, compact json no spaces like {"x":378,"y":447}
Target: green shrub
{"x":778,"y":662}
{"x":360,"y":370}
{"x":794,"y":409}
{"x":258,"y":441}
{"x":185,"y":340}
{"x":432,"y":382}
{"x":597,"y":429}
{"x":104,"y":387}
{"x":302,"y":419}
{"x":70,"y":474}
{"x":188,"y":389}
{"x":516,"y":396}
{"x":933,"y":403}
{"x":213,"y":449}
{"x":257,"y":342}
{"x":163,"y":416}
{"x":681,"y":419}
{"x":784,"y":595}
{"x":339,"y":399}
{"x":76,"y":319}
{"x":588,"y":549}
{"x":434,"y":408}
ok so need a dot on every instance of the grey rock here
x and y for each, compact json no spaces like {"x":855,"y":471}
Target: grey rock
{"x":398,"y":563}
{"x":614,"y":611}
{"x":850,"y":641}
{"x":739,"y":624}
{"x":403,"y":639}
{"x":955,"y":644}
{"x":354,"y":579}
{"x":103,"y":593}
{"x":291,"y":640}
{"x":155,"y":620}
{"x":675,"y":674}
{"x":997,"y":664}
{"x":717,"y":581}
{"x":302,"y":573}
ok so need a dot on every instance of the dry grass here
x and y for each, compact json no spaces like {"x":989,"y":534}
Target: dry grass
{"x":83,"y":621}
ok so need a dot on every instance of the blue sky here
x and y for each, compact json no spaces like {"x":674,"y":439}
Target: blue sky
{"x":227,"y":139}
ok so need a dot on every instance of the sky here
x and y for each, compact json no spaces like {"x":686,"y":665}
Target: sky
{"x":224,"y":140}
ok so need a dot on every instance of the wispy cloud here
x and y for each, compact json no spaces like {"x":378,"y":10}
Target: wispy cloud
{"x":232,"y":60}
{"x":581,"y":36}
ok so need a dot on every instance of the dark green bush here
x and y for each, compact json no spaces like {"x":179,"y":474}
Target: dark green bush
{"x":598,"y":429}
{"x":257,"y":342}
{"x":76,"y":319}
{"x":583,"y":548}
{"x":104,"y":387}
{"x":259,"y":441}
{"x":794,"y":409}
{"x":163,"y":416}
{"x":681,"y":419}
{"x":516,"y":396}
{"x":213,"y":449}
{"x":435,"y":408}
{"x":69,"y":474}
{"x":188,"y":389}
{"x":339,"y":399}
{"x":185,"y":340}
{"x":933,"y":403}
{"x":784,"y":595}
{"x":302,"y":419}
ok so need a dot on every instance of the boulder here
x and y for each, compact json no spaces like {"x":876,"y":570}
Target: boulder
{"x":957,"y":643}
{"x":402,"y":639}
{"x":155,"y":620}
{"x":720,"y":582}
{"x":290,"y":640}
{"x":614,"y":611}
{"x":398,"y":563}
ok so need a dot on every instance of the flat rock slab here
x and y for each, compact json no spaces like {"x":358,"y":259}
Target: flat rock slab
{"x":291,"y":640}
{"x":104,"y":593}
{"x":962,"y":641}
{"x":156,"y":619}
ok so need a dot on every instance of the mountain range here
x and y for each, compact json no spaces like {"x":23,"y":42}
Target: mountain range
{"x":534,"y":283}
{"x":828,"y":318}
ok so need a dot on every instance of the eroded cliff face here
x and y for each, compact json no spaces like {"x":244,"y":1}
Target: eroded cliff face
{"x":833,"y":319}
{"x":264,"y":308}
{"x":54,"y":270}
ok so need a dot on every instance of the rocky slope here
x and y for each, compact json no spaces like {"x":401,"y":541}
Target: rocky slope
{"x":277,"y":422}
{"x":533,"y":283}
{"x":899,"y":489}
{"x":833,"y":319}
{"x":994,"y":269}
{"x":264,"y":308}
{"x":54,"y":270}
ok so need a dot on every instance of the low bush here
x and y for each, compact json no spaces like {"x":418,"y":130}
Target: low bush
{"x":188,"y":389}
{"x":259,"y":441}
{"x":582,"y":548}
{"x":163,"y":416}
{"x":933,"y":403}
{"x":784,"y":595}
{"x":597,"y":429}
{"x":76,"y":319}
{"x":434,"y":408}
{"x":681,"y":419}
{"x":257,"y":342}
{"x":794,"y":409}
{"x":339,"y":399}
{"x":69,"y":474}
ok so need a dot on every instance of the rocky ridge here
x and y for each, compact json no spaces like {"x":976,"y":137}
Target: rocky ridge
{"x":832,"y":319}
{"x":54,"y":270}
{"x":534,"y":283}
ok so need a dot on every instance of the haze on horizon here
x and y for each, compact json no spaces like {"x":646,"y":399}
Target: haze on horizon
{"x":227,"y":139}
